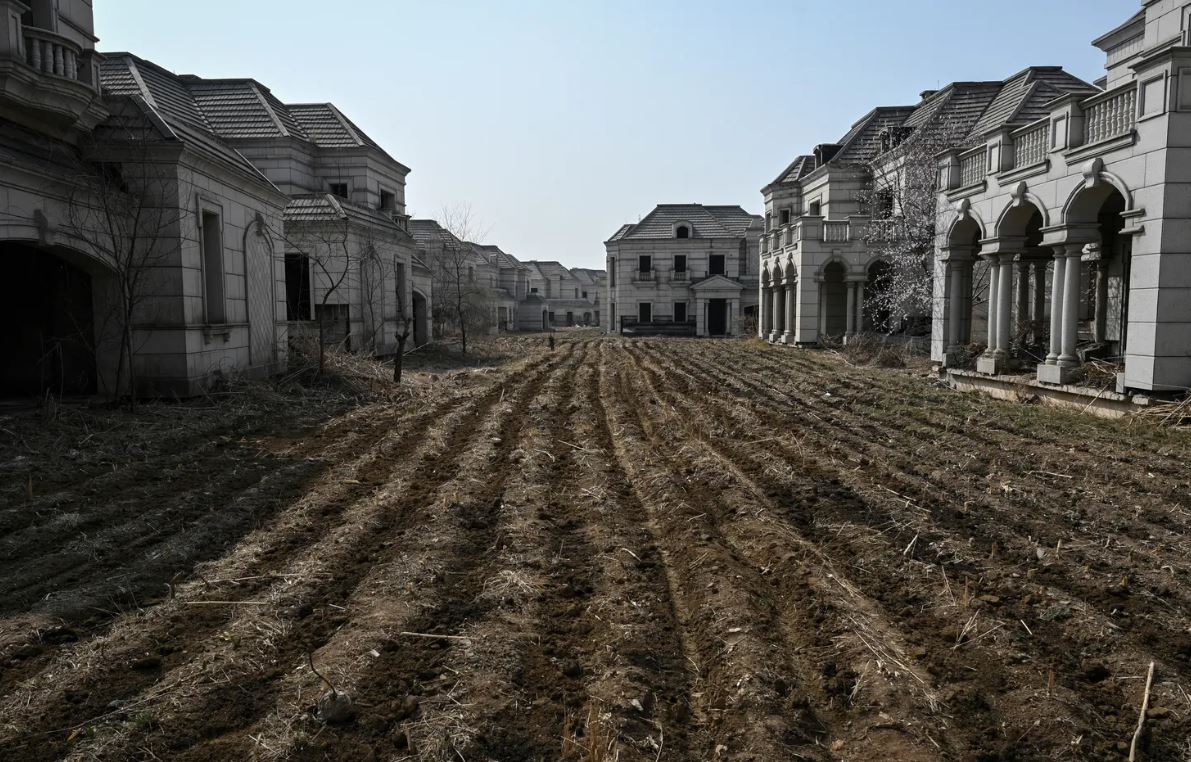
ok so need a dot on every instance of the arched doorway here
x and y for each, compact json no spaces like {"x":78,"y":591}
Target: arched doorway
{"x":421,"y":320}
{"x":1104,"y":276}
{"x":48,"y":310}
{"x":834,"y":304}
{"x":877,"y":312}
{"x":963,"y":243}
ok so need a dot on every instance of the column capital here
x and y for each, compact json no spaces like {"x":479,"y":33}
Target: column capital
{"x":1061,"y":235}
{"x":1007,"y":244}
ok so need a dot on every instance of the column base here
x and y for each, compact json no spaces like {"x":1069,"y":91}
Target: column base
{"x":786,"y":338}
{"x":1055,"y":374}
{"x":773,"y":337}
{"x":992,"y":364}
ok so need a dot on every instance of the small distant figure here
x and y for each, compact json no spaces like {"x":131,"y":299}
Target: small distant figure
{"x":550,"y":340}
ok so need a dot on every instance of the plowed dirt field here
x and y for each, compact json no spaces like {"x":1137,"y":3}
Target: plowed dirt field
{"x":616,"y":550}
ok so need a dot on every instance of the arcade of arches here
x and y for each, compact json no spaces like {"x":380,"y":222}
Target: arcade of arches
{"x":1054,"y":296}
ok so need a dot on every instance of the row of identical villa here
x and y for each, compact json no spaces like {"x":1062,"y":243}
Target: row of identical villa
{"x":159,"y":231}
{"x":1062,"y":229}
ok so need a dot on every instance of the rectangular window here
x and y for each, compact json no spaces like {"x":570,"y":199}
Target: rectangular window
{"x":645,"y":312}
{"x":339,"y":189}
{"x":576,"y":293}
{"x":402,"y":304}
{"x":715,"y":264}
{"x":550,"y":317}
{"x":533,"y":290}
{"x":785,"y":216}
{"x":644,"y":263}
{"x":680,"y":312}
{"x":213,"y":299}
{"x":584,"y":294}
{"x":680,"y":263}
{"x":816,"y":208}
{"x":612,"y":272}
{"x":388,"y":201}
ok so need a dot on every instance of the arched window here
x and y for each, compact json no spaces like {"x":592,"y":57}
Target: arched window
{"x":682,"y":231}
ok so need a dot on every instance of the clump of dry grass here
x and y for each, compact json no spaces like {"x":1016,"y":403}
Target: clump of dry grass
{"x":508,"y":587}
{"x":873,"y":351}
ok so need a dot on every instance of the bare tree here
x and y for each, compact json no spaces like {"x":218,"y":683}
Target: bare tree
{"x":461,"y":298}
{"x":124,"y":212}
{"x":902,"y":199}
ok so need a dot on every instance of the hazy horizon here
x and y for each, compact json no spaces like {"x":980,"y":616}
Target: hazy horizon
{"x":558,"y":123}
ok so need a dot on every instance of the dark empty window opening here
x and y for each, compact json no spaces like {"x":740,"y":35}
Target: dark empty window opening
{"x":213,"y":298}
{"x":612,"y":272}
{"x":816,"y":208}
{"x":297,"y":287}
{"x":644,"y":263}
{"x":388,"y":201}
{"x":785,"y":216}
{"x":645,"y":312}
{"x":577,"y":293}
{"x":680,"y":312}
{"x":715,"y":264}
{"x":339,"y":189}
{"x":682,"y":232}
{"x":533,"y":290}
{"x":883,"y":204}
{"x":584,"y":294}
{"x":680,"y":263}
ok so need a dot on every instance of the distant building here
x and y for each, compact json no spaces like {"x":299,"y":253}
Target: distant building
{"x":685,"y":269}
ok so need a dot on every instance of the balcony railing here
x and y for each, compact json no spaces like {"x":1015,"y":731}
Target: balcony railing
{"x":1110,"y":115}
{"x":835,"y":231}
{"x":1030,"y":144}
{"x":644,"y":275}
{"x":971,"y":167}
{"x":680,"y":275}
{"x":51,"y":54}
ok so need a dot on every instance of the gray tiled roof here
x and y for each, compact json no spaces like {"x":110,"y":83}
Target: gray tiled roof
{"x":706,"y":221}
{"x":239,"y":109}
{"x":123,"y":74}
{"x":863,"y":141}
{"x":326,"y":207}
{"x":1023,"y":94}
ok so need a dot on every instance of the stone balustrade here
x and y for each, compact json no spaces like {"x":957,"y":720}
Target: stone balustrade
{"x":1030,"y":144}
{"x":836,"y":231}
{"x":971,"y":167}
{"x":50,"y":53}
{"x":1110,"y":114}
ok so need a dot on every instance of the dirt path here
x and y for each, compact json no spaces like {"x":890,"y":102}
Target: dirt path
{"x":618,"y":550}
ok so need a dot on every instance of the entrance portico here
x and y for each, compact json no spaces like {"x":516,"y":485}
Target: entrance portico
{"x":717,"y":306}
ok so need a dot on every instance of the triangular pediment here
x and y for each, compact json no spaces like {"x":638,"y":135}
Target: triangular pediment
{"x":717,"y":283}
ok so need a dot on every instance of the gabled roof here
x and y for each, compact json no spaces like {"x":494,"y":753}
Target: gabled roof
{"x":233,"y":109}
{"x":863,"y":141}
{"x":167,"y":107}
{"x":1023,"y":95}
{"x":705,"y":221}
{"x":716,"y":283}
{"x":326,"y":207}
{"x":798,"y":169}
{"x":500,"y":258}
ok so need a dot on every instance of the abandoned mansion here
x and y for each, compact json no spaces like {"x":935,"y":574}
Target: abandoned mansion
{"x":1060,"y":212}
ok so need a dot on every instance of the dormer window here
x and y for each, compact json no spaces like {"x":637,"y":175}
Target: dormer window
{"x":682,"y":231}
{"x":338,"y":189}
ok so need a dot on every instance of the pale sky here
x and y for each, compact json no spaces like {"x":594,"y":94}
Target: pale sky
{"x":559,"y":120}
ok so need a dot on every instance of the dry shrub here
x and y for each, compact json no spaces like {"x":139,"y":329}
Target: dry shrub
{"x":874,"y":351}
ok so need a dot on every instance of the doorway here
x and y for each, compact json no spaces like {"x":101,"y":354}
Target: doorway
{"x":717,"y":317}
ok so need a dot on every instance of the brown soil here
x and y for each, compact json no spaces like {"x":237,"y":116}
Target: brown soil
{"x":618,"y":550}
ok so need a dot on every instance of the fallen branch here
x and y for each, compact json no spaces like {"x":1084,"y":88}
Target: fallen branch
{"x":1141,"y":718}
{"x":433,"y":636}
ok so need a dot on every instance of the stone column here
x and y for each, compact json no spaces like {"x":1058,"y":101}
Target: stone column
{"x":776,"y":303}
{"x":1038,"y":295}
{"x":850,"y":325}
{"x":763,"y":311}
{"x":1022,"y":270}
{"x":791,"y":300}
{"x":1067,"y":356}
{"x":822,"y":316}
{"x":1004,"y":304}
{"x":994,"y":282}
{"x":1100,"y":323}
{"x":955,"y":306}
{"x":860,"y":306}
{"x":1057,"y":282}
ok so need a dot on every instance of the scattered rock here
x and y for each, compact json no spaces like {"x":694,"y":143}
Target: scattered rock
{"x":335,"y":707}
